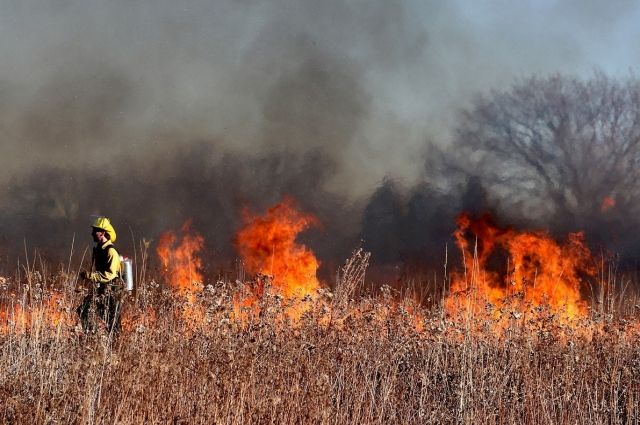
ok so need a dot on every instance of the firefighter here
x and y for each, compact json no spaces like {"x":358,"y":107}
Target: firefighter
{"x":106,"y":289}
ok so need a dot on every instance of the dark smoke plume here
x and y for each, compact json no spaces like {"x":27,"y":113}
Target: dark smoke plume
{"x":557,"y":153}
{"x":191,"y":185}
{"x":154,"y":112}
{"x":561,"y":153}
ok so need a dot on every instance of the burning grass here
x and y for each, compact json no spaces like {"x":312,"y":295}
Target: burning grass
{"x":348,"y":359}
{"x":521,"y":344}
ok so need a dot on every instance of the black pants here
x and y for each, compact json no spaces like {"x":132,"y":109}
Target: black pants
{"x":105,"y":303}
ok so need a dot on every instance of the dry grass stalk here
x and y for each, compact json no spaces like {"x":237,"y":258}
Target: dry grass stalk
{"x":378,"y":367}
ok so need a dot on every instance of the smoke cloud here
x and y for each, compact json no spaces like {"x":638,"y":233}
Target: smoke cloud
{"x":153,"y":112}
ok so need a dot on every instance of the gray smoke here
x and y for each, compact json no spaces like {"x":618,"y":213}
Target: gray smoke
{"x":153,"y":112}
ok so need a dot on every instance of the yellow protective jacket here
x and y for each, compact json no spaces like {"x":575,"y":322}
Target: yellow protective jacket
{"x":106,"y":263}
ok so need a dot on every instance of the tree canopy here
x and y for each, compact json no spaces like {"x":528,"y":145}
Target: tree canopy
{"x":559,"y":146}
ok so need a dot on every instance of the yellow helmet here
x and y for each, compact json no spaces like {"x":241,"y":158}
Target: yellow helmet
{"x":103,"y":223}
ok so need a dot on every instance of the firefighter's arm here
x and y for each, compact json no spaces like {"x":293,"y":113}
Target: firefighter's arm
{"x":113,"y":269}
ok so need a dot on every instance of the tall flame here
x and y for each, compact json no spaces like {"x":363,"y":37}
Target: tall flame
{"x":534,"y":270}
{"x":182,"y":267}
{"x":267,"y":245}
{"x":180,"y":259}
{"x":607,"y":203}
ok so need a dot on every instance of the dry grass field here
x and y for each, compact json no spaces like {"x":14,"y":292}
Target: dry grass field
{"x":343,"y":358}
{"x":550,"y":337}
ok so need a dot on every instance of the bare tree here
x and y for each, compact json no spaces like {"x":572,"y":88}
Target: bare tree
{"x":560,"y":148}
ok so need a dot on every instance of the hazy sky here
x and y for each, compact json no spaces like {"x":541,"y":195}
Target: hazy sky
{"x":83,"y":82}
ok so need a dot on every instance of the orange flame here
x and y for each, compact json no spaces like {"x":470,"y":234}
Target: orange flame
{"x":182,"y":268}
{"x":50,"y":312}
{"x":540,"y":272}
{"x":607,"y":204}
{"x":180,"y":259}
{"x":268,"y":246}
